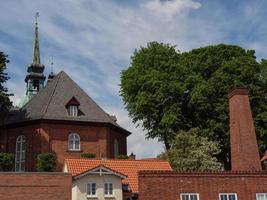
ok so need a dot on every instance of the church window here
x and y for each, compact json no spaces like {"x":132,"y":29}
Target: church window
{"x":74,"y":142}
{"x":73,"y":110}
{"x":116,"y":148}
{"x":20,"y":153}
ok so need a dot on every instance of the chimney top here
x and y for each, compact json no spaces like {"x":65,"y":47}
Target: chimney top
{"x":238,"y":91}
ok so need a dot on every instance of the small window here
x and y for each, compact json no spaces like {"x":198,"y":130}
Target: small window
{"x":20,"y":153}
{"x":73,"y":110}
{"x":74,"y":142}
{"x":108,"y":189}
{"x":91,"y":189}
{"x":189,"y":196}
{"x":116,"y":148}
{"x":261,"y":196}
{"x":228,"y":196}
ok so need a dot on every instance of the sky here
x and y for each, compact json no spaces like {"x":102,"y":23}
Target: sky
{"x":93,"y":41}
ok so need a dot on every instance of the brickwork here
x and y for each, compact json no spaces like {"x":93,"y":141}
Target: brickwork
{"x":244,"y":149}
{"x":35,"y":186}
{"x":161,"y":185}
{"x":53,"y":137}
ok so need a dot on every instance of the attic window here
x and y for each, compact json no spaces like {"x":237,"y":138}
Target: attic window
{"x":73,"y":107}
{"x":73,"y":110}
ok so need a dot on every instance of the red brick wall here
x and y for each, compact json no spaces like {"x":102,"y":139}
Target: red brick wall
{"x":244,"y":149}
{"x":53,"y":137}
{"x":35,"y":186}
{"x":168,"y":185}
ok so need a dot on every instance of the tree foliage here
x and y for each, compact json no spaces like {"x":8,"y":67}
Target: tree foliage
{"x":88,"y":155}
{"x":166,"y":91}
{"x":189,"y":151}
{"x":5,"y":103}
{"x":46,"y":162}
{"x":7,"y":162}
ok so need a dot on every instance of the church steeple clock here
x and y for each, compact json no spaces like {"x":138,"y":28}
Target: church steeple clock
{"x":35,"y":77}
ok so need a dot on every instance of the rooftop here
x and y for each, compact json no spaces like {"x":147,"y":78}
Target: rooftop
{"x":130,"y":168}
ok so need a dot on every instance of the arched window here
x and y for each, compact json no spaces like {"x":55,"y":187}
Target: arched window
{"x":116,"y":148}
{"x":20,"y":153}
{"x":74,"y":142}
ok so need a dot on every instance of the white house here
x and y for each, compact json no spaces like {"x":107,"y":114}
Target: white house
{"x":99,"y":183}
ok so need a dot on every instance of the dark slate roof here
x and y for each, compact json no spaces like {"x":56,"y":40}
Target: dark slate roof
{"x":51,"y":101}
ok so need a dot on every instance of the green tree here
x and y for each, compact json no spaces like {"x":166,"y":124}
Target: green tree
{"x":152,"y":91}
{"x":7,"y":162}
{"x":46,"y":162}
{"x":5,"y":103}
{"x":189,"y":151}
{"x":167,"y":91}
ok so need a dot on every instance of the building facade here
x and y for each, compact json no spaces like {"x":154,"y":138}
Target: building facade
{"x":59,"y":118}
{"x":246,"y":180}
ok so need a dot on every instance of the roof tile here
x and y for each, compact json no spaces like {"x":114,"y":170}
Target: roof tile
{"x":128,"y":167}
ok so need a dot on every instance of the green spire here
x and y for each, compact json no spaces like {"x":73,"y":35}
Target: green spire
{"x":36,"y":50}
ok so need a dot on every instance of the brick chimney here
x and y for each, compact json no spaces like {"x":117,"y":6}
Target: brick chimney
{"x":244,"y":149}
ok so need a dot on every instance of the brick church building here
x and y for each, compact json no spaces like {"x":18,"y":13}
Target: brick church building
{"x":58,"y":117}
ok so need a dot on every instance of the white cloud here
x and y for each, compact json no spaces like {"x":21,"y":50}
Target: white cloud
{"x":169,"y":8}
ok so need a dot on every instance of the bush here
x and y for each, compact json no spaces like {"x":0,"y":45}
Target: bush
{"x":88,"y":155}
{"x":7,"y":162}
{"x":46,"y":162}
{"x":123,"y":157}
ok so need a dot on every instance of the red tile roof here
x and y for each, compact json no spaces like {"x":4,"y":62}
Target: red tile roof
{"x":130,"y":168}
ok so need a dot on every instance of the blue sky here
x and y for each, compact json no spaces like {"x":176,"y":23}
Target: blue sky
{"x":93,"y":40}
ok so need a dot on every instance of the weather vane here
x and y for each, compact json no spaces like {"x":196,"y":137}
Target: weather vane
{"x":36,"y":16}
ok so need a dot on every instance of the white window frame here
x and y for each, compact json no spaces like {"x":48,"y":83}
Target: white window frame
{"x":73,"y":110}
{"x":265,"y":195}
{"x":189,"y":194}
{"x":227,"y":195}
{"x":116,"y":148}
{"x":72,"y":139}
{"x":20,"y":156}
{"x":108,"y":195}
{"x":89,"y":184}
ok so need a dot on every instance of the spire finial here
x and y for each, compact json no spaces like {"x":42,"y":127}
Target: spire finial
{"x":36,"y":52}
{"x":36,"y":18}
{"x":52,"y":64}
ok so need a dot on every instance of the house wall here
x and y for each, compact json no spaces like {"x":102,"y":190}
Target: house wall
{"x":35,"y":186}
{"x":53,"y":137}
{"x":160,"y":185}
{"x":79,"y":187}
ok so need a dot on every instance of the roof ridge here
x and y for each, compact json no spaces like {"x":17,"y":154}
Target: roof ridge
{"x":52,"y":94}
{"x":118,"y":160}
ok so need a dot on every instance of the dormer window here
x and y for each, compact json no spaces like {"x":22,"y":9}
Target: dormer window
{"x":73,"y":110}
{"x":73,"y":107}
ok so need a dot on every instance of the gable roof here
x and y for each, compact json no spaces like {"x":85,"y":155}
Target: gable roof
{"x":50,"y":103}
{"x":100,"y":169}
{"x":130,"y":168}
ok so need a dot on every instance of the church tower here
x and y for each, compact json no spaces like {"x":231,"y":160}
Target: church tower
{"x":35,"y":77}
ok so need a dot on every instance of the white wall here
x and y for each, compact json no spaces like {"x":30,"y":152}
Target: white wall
{"x":79,"y":186}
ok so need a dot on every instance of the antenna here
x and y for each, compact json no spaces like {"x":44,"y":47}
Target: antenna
{"x":36,"y":17}
{"x":52,"y":64}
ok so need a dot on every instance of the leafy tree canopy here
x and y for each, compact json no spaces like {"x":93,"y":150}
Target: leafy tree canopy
{"x":5,"y":103}
{"x":189,"y":151}
{"x":166,"y":91}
